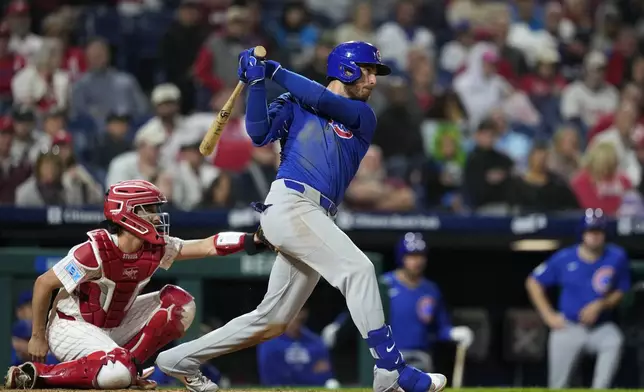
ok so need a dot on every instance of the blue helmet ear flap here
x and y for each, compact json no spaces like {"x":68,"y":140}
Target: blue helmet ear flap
{"x":350,"y":71}
{"x":342,"y":69}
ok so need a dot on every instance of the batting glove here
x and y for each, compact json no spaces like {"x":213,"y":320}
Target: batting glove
{"x":255,"y":72}
{"x":463,"y":335}
{"x":250,"y":70}
{"x":271,"y":68}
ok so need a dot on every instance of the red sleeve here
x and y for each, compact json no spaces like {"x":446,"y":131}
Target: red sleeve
{"x":19,"y":63}
{"x":560,"y":82}
{"x":203,"y":70}
{"x":615,"y":68}
{"x":585,"y":191}
{"x":626,"y":183}
{"x":80,"y":59}
{"x":525,"y":84}
{"x":602,"y":124}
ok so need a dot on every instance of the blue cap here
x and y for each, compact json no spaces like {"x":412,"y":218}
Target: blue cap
{"x":411,"y":243}
{"x":593,"y":219}
{"x":24,"y":298}
{"x":345,"y":59}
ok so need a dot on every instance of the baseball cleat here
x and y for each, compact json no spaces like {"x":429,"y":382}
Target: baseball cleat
{"x":412,"y":380}
{"x":142,"y":381}
{"x":143,"y":384}
{"x":200,"y":383}
{"x":439,"y":382}
{"x":20,"y":377}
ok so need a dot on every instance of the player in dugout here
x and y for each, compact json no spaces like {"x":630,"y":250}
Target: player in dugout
{"x":298,"y":357}
{"x":418,"y":313}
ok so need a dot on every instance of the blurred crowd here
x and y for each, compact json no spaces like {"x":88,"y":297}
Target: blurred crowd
{"x":495,"y":107}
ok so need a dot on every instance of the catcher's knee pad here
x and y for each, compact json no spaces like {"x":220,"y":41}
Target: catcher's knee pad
{"x":166,"y":324}
{"x":99,"y":370}
{"x":179,"y":302}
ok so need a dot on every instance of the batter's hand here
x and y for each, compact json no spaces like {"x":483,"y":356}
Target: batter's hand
{"x":555,"y":320}
{"x":250,"y":70}
{"x":38,"y":348}
{"x":589,"y":314}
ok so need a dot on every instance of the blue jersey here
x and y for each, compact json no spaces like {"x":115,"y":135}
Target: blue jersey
{"x":17,"y":361}
{"x":323,"y":136}
{"x":284,"y":361}
{"x":583,"y":282}
{"x":416,"y":313}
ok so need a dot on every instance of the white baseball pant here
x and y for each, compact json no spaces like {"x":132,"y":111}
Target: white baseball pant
{"x":311,"y":246}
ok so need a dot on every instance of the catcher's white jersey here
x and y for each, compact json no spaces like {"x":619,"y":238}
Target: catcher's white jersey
{"x":72,"y":339}
{"x":72,"y":273}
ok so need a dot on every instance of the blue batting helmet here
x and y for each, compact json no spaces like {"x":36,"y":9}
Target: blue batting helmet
{"x":345,"y":59}
{"x":593,"y":220}
{"x":411,"y":243}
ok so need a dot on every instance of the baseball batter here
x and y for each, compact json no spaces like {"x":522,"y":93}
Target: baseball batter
{"x":100,"y":328}
{"x":324,"y":133}
{"x":593,"y":277}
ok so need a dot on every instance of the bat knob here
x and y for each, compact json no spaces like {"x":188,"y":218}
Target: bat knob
{"x":259,"y":51}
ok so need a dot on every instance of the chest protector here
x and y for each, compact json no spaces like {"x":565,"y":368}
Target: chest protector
{"x":105,"y":302}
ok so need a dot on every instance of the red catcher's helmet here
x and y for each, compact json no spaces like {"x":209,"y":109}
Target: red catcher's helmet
{"x":135,"y":206}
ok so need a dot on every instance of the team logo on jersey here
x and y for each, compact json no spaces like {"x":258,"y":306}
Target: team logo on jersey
{"x":130,"y":256}
{"x":74,"y":272}
{"x":602,"y":279}
{"x":340,"y":130}
{"x":425,"y":309}
{"x":296,"y":354}
{"x":130,"y":272}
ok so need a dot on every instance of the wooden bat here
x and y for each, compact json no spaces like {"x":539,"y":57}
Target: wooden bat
{"x":211,"y":138}
{"x":459,"y":366}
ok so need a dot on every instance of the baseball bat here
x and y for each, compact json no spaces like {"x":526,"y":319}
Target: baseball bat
{"x":211,"y":138}
{"x":459,"y":366}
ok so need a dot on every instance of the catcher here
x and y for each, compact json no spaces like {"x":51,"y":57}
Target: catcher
{"x":100,"y":328}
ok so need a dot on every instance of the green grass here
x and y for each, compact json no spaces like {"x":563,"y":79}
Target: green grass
{"x":446,"y":390}
{"x":251,"y":389}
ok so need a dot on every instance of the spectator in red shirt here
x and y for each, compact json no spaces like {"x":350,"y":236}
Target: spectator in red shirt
{"x":545,"y":80}
{"x":10,"y":63}
{"x":235,"y":149}
{"x":621,"y":56}
{"x":599,"y":184}
{"x":630,"y":93}
{"x":58,"y":26}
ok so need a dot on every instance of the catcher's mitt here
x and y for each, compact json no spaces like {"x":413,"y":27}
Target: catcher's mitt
{"x":251,"y":247}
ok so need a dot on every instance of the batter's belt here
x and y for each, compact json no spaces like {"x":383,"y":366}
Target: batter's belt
{"x":307,"y":191}
{"x":314,"y":195}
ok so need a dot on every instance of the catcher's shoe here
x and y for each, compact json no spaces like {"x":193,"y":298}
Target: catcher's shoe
{"x":142,"y":381}
{"x":21,"y":377}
